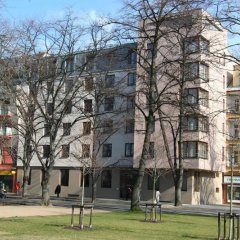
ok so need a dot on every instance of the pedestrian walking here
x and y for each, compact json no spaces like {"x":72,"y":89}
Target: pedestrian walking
{"x":58,"y":190}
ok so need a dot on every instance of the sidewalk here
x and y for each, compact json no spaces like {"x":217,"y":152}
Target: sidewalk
{"x":24,"y":211}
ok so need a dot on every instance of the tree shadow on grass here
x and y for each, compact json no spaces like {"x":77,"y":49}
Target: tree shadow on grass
{"x":198,"y":237}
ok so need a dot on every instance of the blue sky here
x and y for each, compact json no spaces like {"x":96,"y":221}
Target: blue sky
{"x":18,"y":10}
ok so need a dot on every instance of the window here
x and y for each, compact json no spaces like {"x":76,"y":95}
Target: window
{"x":64,"y":177}
{"x":85,"y":150}
{"x":149,"y":50}
{"x":68,"y":106}
{"x":107,"y":150}
{"x":86,"y":128}
{"x":152,"y":125}
{"x":190,"y":149}
{"x":46,"y":130}
{"x":223,"y":154}
{"x":233,"y":155}
{"x":88,"y":106}
{"x":49,"y":108}
{"x":202,"y":150}
{"x":3,"y":109}
{"x":106,"y":179}
{"x":86,"y":180}
{"x":65,"y":151}
{"x":184,"y":183}
{"x":68,"y":85}
{"x":196,"y":181}
{"x":191,"y":45}
{"x":203,"y":124}
{"x":107,"y":126}
{"x":203,"y":97}
{"x":195,"y":123}
{"x":131,"y":79}
{"x":196,"y":44}
{"x":129,"y":148}
{"x":233,"y":103}
{"x":151,"y":151}
{"x":196,"y":70}
{"x":68,"y":65}
{"x":130,"y":102}
{"x":195,"y":149}
{"x":46,"y":151}
{"x":190,"y":123}
{"x":108,"y":104}
{"x":132,"y":57}
{"x":109,"y":81}
{"x":193,"y":96}
{"x":129,"y":126}
{"x":88,"y":83}
{"x":150,"y":182}
{"x":49,"y":86}
{"x":66,"y":129}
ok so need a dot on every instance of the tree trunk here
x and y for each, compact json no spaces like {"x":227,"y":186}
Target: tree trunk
{"x":45,"y":189}
{"x":94,"y":188}
{"x":26,"y":172}
{"x":178,"y":192}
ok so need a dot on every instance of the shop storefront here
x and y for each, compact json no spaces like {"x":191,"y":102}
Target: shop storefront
{"x":227,"y":189}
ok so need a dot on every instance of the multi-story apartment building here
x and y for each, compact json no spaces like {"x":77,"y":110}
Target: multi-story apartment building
{"x":117,"y":132}
{"x":7,"y":163}
{"x":232,"y":138}
{"x":98,"y":124}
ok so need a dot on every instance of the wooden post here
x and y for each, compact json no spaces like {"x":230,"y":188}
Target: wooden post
{"x":90,"y":223}
{"x":219,"y":225}
{"x":72,"y":216}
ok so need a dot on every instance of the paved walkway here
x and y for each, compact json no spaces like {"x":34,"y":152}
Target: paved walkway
{"x":24,"y":211}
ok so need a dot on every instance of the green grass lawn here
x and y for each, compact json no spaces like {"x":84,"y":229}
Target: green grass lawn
{"x":106,"y":226}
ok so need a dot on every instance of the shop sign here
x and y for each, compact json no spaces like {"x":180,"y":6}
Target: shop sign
{"x":236,"y":179}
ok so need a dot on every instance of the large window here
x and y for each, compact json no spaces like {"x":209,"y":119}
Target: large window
{"x":149,"y":50}
{"x":195,"y":149}
{"x":66,"y":129}
{"x":108,"y":104}
{"x":87,"y":105}
{"x":233,"y":155}
{"x":109,"y":81}
{"x":150,"y":182}
{"x":107,"y":126}
{"x":233,"y":103}
{"x":196,"y":44}
{"x":194,"y":96}
{"x":68,"y":106}
{"x":132,"y":57}
{"x":197,"y":182}
{"x":195,"y":123}
{"x":64,"y":177}
{"x":49,"y":108}
{"x":46,"y":130}
{"x":65,"y":151}
{"x":130,"y":102}
{"x":107,"y":150}
{"x":88,"y":83}
{"x":86,"y":128}
{"x":131,"y":79}
{"x":195,"y":71}
{"x":68,"y":85}
{"x":46,"y":151}
{"x":85,"y":150}
{"x":129,"y":126}
{"x":106,"y":179}
{"x":129,"y":148}
{"x":151,"y":151}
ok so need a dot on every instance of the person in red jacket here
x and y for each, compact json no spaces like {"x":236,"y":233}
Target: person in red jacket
{"x":18,"y":187}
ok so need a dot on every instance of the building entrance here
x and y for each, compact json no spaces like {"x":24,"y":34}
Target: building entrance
{"x":126,"y":184}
